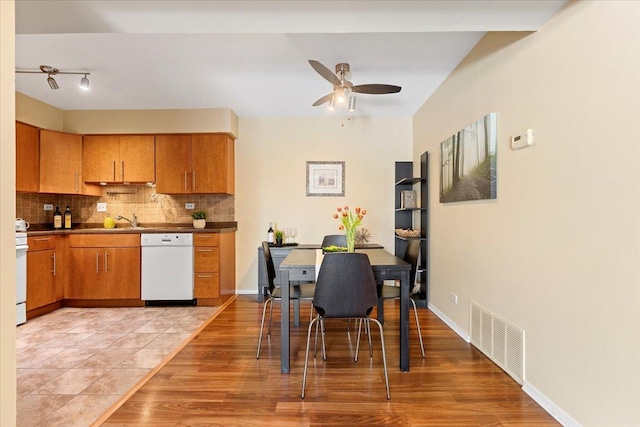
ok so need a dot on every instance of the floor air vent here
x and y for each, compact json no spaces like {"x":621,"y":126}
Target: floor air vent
{"x":500,"y":341}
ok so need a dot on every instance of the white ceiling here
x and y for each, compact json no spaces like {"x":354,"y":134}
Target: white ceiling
{"x":251,"y":56}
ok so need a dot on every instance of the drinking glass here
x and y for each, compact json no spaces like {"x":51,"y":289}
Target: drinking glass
{"x":294,"y":233}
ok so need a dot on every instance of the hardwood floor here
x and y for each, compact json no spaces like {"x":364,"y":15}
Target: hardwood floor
{"x":216,"y":380}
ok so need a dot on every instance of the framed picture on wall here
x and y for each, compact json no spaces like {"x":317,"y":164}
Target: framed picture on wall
{"x":325,"y":178}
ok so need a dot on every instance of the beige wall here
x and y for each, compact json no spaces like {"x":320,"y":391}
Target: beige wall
{"x":558,"y":252}
{"x":37,"y":113}
{"x":271,"y":157}
{"x":151,"y":121}
{"x":7,"y":207}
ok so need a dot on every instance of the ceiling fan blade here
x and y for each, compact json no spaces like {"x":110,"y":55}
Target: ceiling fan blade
{"x":325,"y":72}
{"x":376,"y":89}
{"x":322,"y":100}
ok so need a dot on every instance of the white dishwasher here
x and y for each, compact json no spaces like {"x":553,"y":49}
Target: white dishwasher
{"x":167,"y":267}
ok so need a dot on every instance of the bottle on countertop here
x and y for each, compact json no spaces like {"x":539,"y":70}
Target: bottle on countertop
{"x":270,"y":234}
{"x":57,"y":219}
{"x":67,"y":218}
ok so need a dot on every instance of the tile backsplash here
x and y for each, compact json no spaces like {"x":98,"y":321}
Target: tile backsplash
{"x":149,"y":206}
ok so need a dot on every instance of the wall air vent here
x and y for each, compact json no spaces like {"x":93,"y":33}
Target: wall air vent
{"x":499,"y":340}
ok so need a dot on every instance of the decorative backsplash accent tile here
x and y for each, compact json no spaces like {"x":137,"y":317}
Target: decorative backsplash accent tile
{"x":149,"y":206}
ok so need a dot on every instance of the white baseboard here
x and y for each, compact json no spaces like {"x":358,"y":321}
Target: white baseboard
{"x":450,"y":323}
{"x":549,"y":406}
{"x":246,"y":292}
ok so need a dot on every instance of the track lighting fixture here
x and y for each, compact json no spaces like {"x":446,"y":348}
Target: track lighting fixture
{"x":52,"y":71}
{"x":52,"y":82}
{"x":84,"y":82}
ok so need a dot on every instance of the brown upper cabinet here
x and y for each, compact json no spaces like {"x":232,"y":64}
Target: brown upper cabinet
{"x":27,"y":158}
{"x":118,"y":158}
{"x":195,"y":164}
{"x":61,"y":164}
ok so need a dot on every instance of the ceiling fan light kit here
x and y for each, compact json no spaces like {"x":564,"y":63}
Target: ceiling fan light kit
{"x":52,"y":71}
{"x":343,"y":89}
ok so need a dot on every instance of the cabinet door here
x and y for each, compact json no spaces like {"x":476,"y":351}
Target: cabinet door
{"x":206,"y":285}
{"x":206,"y":259}
{"x":137,"y":158}
{"x":60,"y":163}
{"x":87,"y":279}
{"x":101,"y":158}
{"x":41,"y":289}
{"x":173,"y":164}
{"x":212,"y":164}
{"x":27,"y":158}
{"x":122,"y":273}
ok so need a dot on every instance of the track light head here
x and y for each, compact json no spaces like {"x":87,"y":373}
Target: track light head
{"x":84,"y":83}
{"x":52,"y":83}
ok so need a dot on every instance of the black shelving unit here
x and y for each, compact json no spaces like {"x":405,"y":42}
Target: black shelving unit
{"x":407,"y":218}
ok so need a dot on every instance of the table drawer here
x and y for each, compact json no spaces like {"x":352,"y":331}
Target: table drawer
{"x":302,"y":275}
{"x":206,"y":259}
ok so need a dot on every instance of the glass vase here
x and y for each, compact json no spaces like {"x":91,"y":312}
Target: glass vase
{"x":351,"y":239}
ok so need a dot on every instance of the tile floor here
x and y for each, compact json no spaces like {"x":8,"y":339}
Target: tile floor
{"x":75,"y":363}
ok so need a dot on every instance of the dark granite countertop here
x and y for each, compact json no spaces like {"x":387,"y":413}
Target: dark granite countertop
{"x":92,"y":228}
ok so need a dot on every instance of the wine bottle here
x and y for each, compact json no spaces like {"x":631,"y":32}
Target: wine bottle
{"x":270,"y":234}
{"x":57,"y":219}
{"x":67,"y":218}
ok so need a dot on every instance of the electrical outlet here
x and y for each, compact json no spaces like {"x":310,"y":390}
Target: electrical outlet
{"x":189,"y":205}
{"x":453,"y":297}
{"x":102,"y":207}
{"x":48,"y":207}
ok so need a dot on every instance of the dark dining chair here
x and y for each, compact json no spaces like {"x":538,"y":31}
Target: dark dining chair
{"x":345,"y":289}
{"x":302,"y":291}
{"x":334,"y":240}
{"x":411,"y":255}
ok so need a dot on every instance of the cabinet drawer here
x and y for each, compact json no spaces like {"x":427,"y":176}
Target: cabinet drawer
{"x":104,"y":240}
{"x":41,"y":243}
{"x":207,"y":285}
{"x":206,"y":239}
{"x":206,"y":259}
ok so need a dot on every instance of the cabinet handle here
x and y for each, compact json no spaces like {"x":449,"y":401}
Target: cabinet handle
{"x":204,"y":236}
{"x":54,"y":264}
{"x":42,"y":239}
{"x":205,"y":250}
{"x":193,"y":184}
{"x":97,"y":262}
{"x":185,"y":180}
{"x":205,"y":276}
{"x":114,"y":170}
{"x":122,"y":169}
{"x":106,"y":261}
{"x":77,"y":182}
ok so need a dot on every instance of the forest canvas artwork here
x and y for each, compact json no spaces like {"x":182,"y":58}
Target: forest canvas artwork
{"x":468,"y":162}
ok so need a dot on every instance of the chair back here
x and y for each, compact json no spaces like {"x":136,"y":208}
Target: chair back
{"x":335,"y":239}
{"x":346,"y":287}
{"x":271,"y":271}
{"x":411,"y":255}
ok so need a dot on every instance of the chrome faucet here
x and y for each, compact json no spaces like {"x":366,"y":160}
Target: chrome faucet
{"x":133,"y":223}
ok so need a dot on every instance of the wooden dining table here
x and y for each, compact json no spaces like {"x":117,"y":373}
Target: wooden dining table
{"x":300,"y":265}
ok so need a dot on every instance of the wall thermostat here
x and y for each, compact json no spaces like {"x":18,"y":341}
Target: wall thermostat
{"x":523,"y":139}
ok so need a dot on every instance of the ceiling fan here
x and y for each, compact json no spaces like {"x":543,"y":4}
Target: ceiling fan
{"x":343,"y":89}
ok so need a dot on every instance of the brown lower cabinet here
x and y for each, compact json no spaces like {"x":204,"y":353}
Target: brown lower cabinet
{"x":104,"y":267}
{"x":214,"y":267}
{"x":45,"y":271}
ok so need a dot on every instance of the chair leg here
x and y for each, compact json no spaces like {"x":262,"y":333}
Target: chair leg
{"x":415,"y":312}
{"x":306,"y":357}
{"x":264,"y":312}
{"x":270,"y":317}
{"x":355,"y":359}
{"x":384,"y":356}
{"x":324,"y":347}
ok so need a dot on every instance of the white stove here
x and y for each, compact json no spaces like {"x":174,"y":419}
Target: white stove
{"x":21,"y":278}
